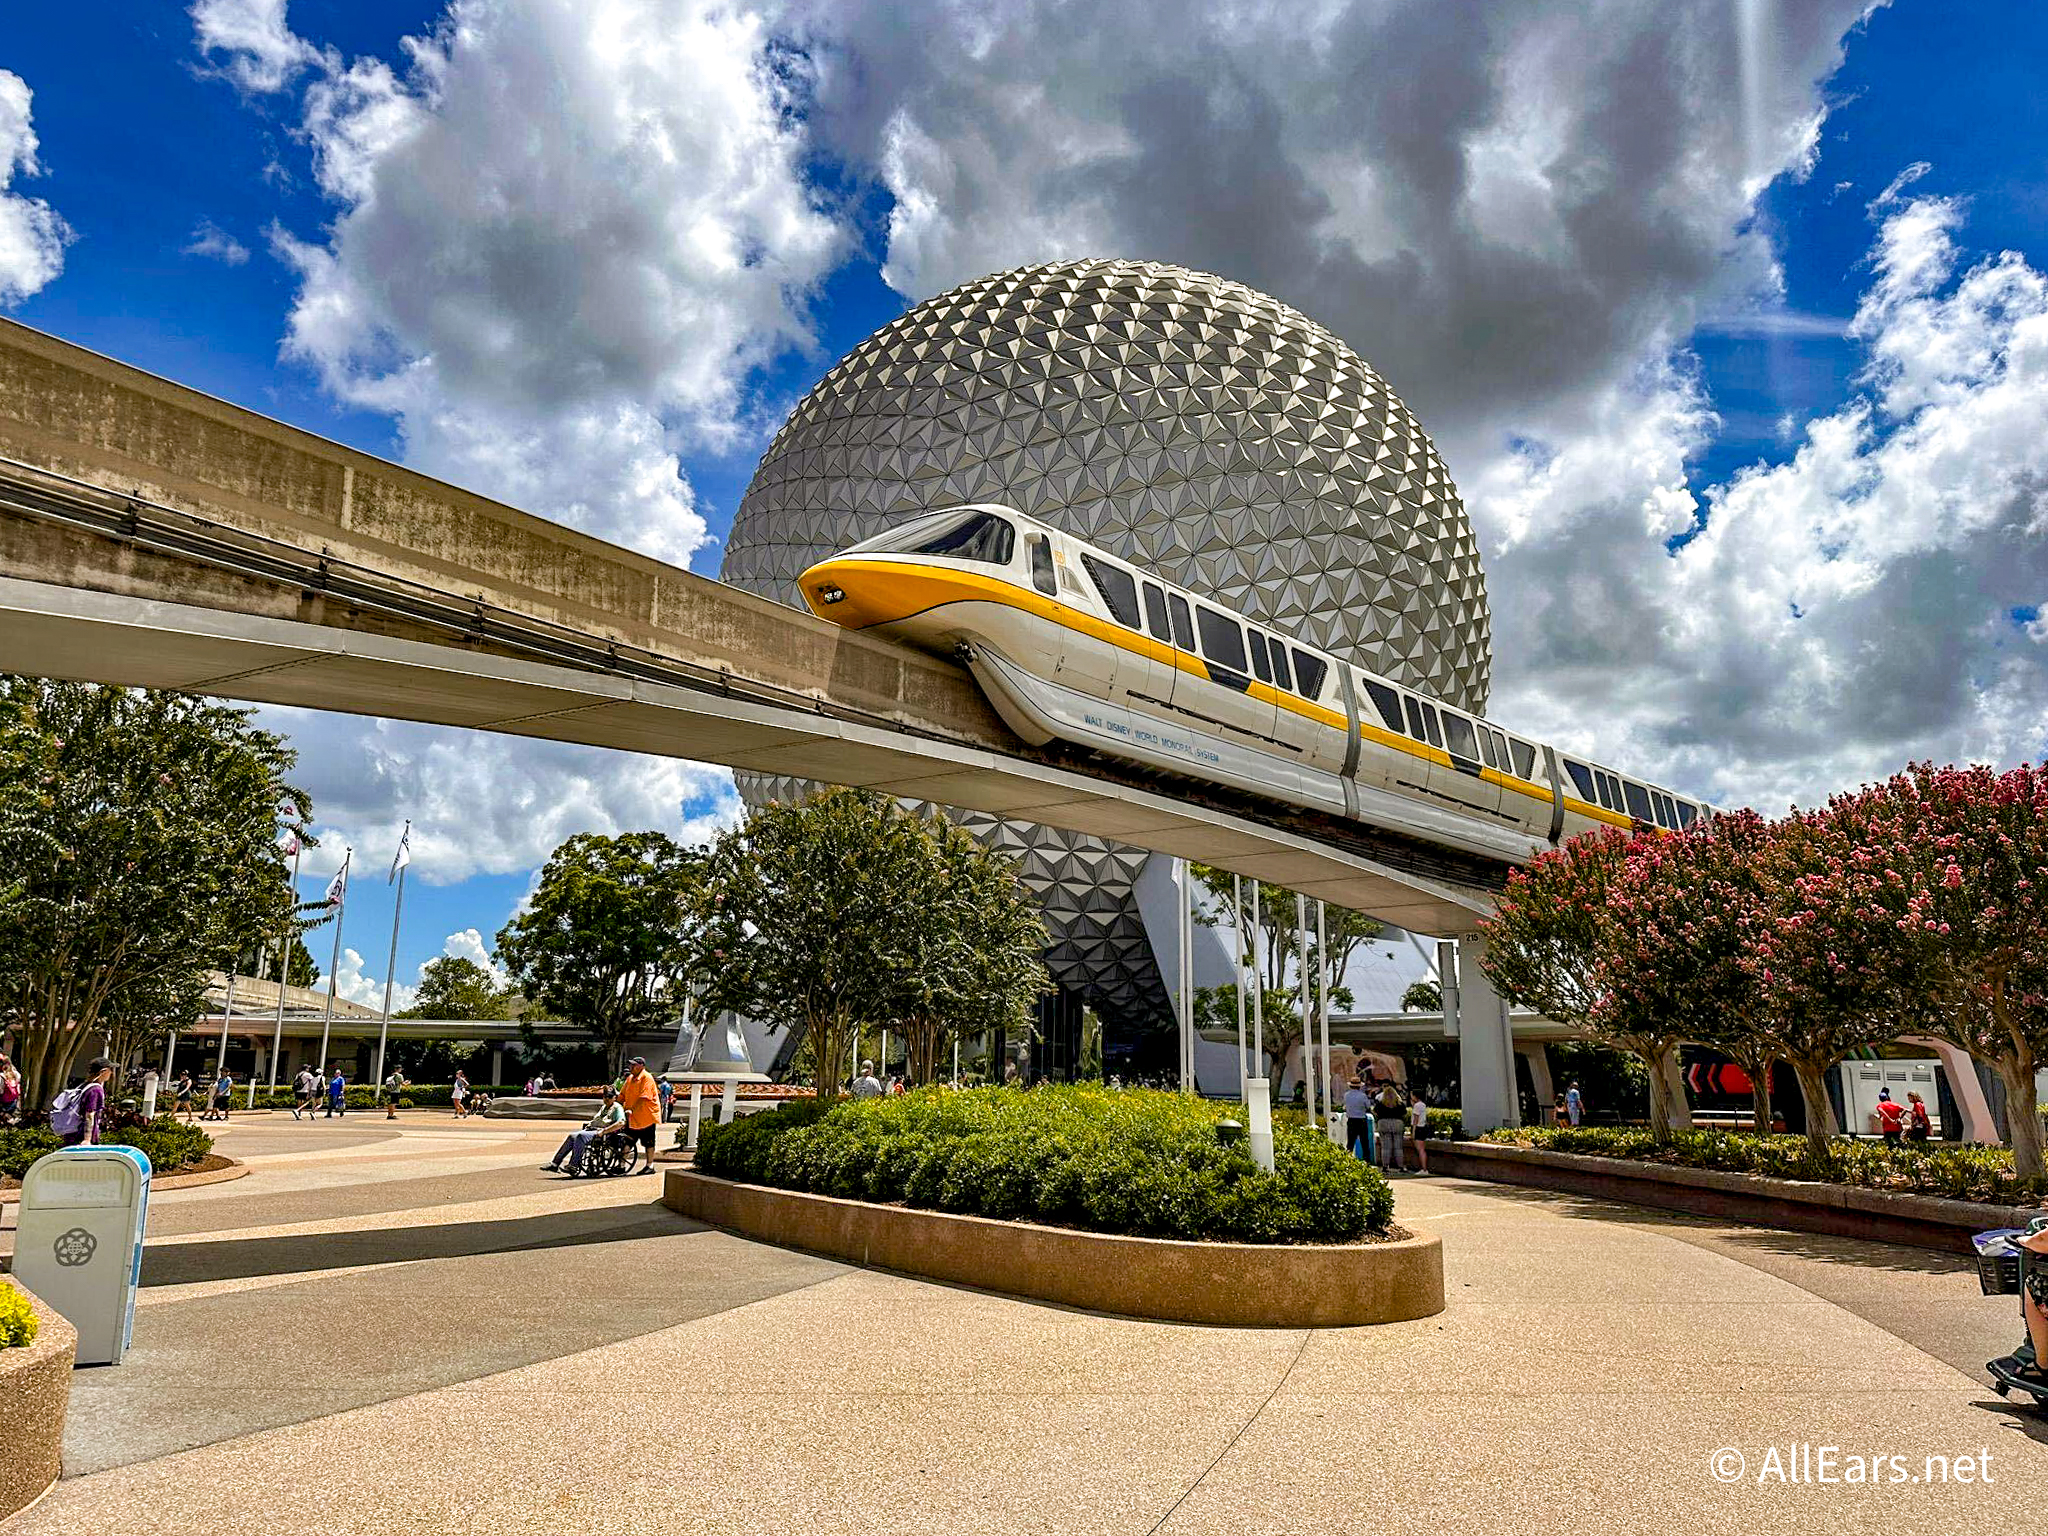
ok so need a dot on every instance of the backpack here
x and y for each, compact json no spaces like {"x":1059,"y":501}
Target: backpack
{"x":65,"y":1117}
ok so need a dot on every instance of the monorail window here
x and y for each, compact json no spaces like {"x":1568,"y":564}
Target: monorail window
{"x":1155,"y":612}
{"x":1582,"y":778}
{"x":1609,"y":791}
{"x":1309,"y":672}
{"x":1279,"y":655}
{"x":1415,"y":720}
{"x":1638,"y":800}
{"x":1183,"y":621}
{"x":1386,"y":701}
{"x":1222,"y":639}
{"x":1667,"y":814}
{"x":1429,"y":724}
{"x":1525,"y":758}
{"x":1500,"y":749}
{"x":1043,"y":576}
{"x":1262,"y":669}
{"x":1687,"y":813}
{"x":1119,"y":588}
{"x":1458,"y":738}
{"x":982,"y":536}
{"x":1486,"y":750}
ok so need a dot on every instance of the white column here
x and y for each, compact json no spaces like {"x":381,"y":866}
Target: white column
{"x":1258,"y":996}
{"x":1187,"y":973}
{"x":696,"y":1112}
{"x":1486,"y":1057}
{"x":284,"y":966}
{"x":1309,"y":1090}
{"x":729,"y":1101}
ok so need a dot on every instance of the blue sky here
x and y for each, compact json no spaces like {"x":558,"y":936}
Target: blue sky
{"x":1613,"y":266}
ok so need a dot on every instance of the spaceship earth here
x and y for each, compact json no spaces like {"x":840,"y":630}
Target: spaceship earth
{"x":1187,"y":423}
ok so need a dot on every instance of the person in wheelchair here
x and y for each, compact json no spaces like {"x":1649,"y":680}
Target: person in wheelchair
{"x":608,"y":1122}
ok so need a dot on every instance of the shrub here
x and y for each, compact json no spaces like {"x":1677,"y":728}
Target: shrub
{"x":18,"y":1320}
{"x":1447,"y":1124}
{"x":22,"y":1145}
{"x":168,"y":1144}
{"x":1129,"y":1161}
{"x":1951,"y":1171}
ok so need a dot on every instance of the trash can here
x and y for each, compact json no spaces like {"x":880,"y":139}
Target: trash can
{"x":78,"y":1242}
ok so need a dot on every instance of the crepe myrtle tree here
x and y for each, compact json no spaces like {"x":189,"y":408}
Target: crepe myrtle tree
{"x":807,"y":915}
{"x":1684,"y":906}
{"x":605,"y":938}
{"x":1551,"y":943}
{"x":974,"y":949}
{"x":1970,"y":847}
{"x":142,"y":857}
{"x":1835,"y":968}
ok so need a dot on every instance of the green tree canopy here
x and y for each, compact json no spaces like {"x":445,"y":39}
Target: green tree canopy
{"x":602,"y":943}
{"x":145,"y":858}
{"x":456,"y":987}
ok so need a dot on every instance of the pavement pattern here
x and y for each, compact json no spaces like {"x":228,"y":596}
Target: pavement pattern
{"x":408,"y":1327}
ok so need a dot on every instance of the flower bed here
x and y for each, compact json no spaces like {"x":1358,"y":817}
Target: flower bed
{"x":1952,"y":1172}
{"x":168,"y":1144}
{"x":1126,"y":1161}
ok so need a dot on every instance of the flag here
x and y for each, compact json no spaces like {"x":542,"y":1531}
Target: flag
{"x":288,"y":842}
{"x":337,"y":888}
{"x":404,"y":853}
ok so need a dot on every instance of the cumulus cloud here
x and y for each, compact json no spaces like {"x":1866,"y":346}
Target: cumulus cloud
{"x":1873,"y":598}
{"x":250,"y":42}
{"x":216,"y":244}
{"x":469,"y":945}
{"x":556,"y":302}
{"x":32,"y":234}
{"x":352,"y":984}
{"x":479,"y":803}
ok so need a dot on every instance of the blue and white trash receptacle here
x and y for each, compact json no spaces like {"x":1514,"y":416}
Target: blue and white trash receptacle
{"x":79,"y":1242}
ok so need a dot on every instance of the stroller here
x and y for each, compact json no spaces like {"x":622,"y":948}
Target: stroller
{"x":2002,"y":1265}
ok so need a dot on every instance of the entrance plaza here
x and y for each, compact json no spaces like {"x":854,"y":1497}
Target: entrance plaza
{"x":387,"y":1328}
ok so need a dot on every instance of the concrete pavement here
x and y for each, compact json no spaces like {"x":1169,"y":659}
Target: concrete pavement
{"x":389,"y":1335}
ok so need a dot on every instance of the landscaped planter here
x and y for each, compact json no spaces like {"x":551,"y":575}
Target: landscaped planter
{"x":35,"y":1390}
{"x":1845,"y":1210}
{"x":1240,"y":1284}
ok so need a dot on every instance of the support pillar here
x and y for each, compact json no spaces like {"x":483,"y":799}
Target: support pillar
{"x":497,"y":1065}
{"x":1978,"y":1122}
{"x":1538,"y":1057}
{"x":1486,"y":1061}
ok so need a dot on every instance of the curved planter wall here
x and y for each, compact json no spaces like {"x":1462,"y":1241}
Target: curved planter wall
{"x":35,"y":1390}
{"x":1239,"y":1284}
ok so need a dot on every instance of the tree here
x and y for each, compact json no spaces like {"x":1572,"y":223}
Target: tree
{"x":1550,"y":944}
{"x":1835,"y":970}
{"x":144,"y":859}
{"x":1685,"y":906}
{"x":1971,"y":848}
{"x":974,"y":953}
{"x":1423,"y":996}
{"x":602,"y":943}
{"x":456,"y":987}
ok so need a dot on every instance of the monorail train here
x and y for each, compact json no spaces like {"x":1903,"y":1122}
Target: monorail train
{"x":1072,"y":644}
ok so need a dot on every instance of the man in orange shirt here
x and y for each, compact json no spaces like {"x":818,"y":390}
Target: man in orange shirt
{"x":641,"y":1100}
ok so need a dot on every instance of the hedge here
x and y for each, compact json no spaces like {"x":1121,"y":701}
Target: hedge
{"x":167,"y":1144}
{"x":18,"y":1322}
{"x":1108,"y":1160}
{"x":1980,"y":1173}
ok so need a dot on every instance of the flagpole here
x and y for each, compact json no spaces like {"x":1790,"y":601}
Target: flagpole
{"x":391,"y":966}
{"x":340,"y":903}
{"x":284,"y":968}
{"x":227,"y":1008}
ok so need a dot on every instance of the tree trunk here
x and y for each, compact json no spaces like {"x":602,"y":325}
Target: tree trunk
{"x":2022,"y":1114}
{"x":1820,"y":1113}
{"x":829,"y":1043}
{"x":1678,"y":1106}
{"x":1760,"y":1097}
{"x":1660,"y":1101}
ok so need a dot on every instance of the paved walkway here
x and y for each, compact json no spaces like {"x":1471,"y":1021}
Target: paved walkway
{"x":387,"y":1332}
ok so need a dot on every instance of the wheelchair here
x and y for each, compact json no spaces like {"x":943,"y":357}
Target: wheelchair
{"x":605,"y":1157}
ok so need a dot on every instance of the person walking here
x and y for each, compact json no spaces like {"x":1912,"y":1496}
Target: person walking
{"x":394,"y":1085}
{"x":305,"y":1092}
{"x":641,"y":1101}
{"x":1418,"y":1131}
{"x":1574,"y":1105}
{"x":182,"y":1094}
{"x":1357,"y":1118}
{"x":337,"y":1094}
{"x":867,"y":1085}
{"x":1891,"y":1117}
{"x":78,"y":1113}
{"x":222,"y":1097}
{"x":1390,"y":1107}
{"x":610,"y":1120}
{"x":1919,"y":1125}
{"x":459,"y":1094}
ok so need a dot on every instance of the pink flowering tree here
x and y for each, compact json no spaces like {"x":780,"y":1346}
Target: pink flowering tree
{"x":1834,"y":969}
{"x":1682,"y":905}
{"x":1555,"y":942}
{"x":1971,"y":847}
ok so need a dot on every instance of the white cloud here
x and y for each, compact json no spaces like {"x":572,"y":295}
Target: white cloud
{"x":216,"y":244}
{"x":469,"y":945}
{"x":32,"y":234}
{"x":481,"y":803}
{"x":250,"y":42}
{"x":1870,"y":600}
{"x":352,"y":985}
{"x":556,"y":301}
